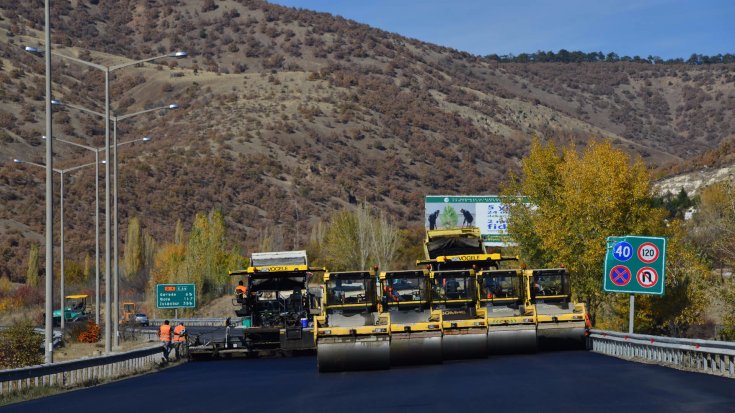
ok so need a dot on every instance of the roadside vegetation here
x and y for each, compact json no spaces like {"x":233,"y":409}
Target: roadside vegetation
{"x":577,"y":198}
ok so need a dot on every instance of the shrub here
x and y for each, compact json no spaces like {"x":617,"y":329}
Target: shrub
{"x":91,"y":334}
{"x":20,"y":346}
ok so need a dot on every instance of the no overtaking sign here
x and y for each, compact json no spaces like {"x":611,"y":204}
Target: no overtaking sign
{"x":635,"y":265}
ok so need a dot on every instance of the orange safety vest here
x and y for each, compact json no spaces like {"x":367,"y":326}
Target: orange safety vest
{"x":178,"y":333}
{"x":241,"y":289}
{"x":165,"y":332}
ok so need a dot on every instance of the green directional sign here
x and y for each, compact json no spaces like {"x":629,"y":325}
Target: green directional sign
{"x":635,"y":265}
{"x":176,"y":295}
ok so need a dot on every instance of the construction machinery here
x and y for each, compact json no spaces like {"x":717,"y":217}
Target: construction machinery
{"x":561,"y":321}
{"x":351,"y":333}
{"x":454,"y":256}
{"x":77,"y":309}
{"x":415,"y":328}
{"x":278,"y":309}
{"x":128,"y":313}
{"x":511,"y":317}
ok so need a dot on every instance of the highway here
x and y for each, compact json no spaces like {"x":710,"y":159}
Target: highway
{"x":546,"y":382}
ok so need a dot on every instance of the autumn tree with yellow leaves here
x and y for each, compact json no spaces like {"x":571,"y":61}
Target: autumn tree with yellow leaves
{"x":576,"y":199}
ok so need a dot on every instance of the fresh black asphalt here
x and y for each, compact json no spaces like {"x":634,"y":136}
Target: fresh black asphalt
{"x":577,"y":381}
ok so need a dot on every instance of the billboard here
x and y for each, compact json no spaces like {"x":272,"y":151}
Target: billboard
{"x":455,"y":211}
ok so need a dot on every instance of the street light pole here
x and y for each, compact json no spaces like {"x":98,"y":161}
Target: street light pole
{"x":61,"y":173}
{"x":106,"y":70}
{"x":96,"y":223}
{"x":48,"y":330}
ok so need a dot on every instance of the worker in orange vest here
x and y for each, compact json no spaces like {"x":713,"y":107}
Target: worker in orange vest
{"x":164,"y":334}
{"x":179,"y":339}
{"x":241,"y":291}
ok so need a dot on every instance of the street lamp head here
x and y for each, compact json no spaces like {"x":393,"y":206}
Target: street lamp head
{"x":56,"y":102}
{"x":173,"y":106}
{"x":180,"y":54}
{"x":31,"y":49}
{"x":146,"y":138}
{"x":103,"y":161}
{"x":18,"y":160}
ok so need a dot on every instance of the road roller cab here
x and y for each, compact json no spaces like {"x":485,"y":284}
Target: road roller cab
{"x":277,"y":312}
{"x":415,"y":329}
{"x":511,"y":318}
{"x":352,"y":333}
{"x":561,"y":322}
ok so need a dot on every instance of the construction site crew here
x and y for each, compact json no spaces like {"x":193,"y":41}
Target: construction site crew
{"x":164,"y":333}
{"x":179,"y":339}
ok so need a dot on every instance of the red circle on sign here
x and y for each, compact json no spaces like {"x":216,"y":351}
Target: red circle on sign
{"x":648,"y":252}
{"x":620,"y":275}
{"x":647,"y":277}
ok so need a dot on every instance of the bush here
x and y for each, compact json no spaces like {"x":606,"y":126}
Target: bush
{"x":91,"y":334}
{"x":20,"y":346}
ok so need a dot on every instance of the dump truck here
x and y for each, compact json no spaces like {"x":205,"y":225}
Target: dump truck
{"x":351,"y":332}
{"x":277,"y":312}
{"x":415,"y":328}
{"x":511,"y":317}
{"x":560,"y":320}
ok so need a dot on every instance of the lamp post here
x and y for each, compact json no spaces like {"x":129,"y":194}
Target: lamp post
{"x":106,"y":70}
{"x":48,"y":345}
{"x":97,"y":212}
{"x":61,"y":173}
{"x":116,"y":273}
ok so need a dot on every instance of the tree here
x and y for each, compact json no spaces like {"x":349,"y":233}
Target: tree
{"x":33,"y":267}
{"x":385,"y":240}
{"x":448,"y":217}
{"x":575,"y":201}
{"x":133,"y":253}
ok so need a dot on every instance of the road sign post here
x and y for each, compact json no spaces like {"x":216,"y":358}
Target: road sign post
{"x":176,"y":296}
{"x":635,"y":265}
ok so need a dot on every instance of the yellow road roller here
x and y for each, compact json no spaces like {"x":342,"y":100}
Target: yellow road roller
{"x":351,"y":333}
{"x":415,"y":329}
{"x":511,"y":318}
{"x":560,"y":321}
{"x":454,"y":295}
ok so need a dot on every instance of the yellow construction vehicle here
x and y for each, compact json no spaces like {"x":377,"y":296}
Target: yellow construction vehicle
{"x":454,"y":295}
{"x":351,"y":333}
{"x":561,"y":321}
{"x":511,"y":317}
{"x":277,"y":311}
{"x":128,"y":313}
{"x":454,"y":256}
{"x":415,"y":329}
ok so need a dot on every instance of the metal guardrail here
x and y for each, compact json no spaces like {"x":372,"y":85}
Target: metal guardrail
{"x":192,"y":322}
{"x":706,"y":356}
{"x":77,"y":372}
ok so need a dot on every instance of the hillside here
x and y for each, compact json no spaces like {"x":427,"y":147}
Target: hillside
{"x":288,"y":115}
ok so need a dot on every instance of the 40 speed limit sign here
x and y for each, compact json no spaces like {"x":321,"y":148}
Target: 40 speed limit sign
{"x":635,"y":265}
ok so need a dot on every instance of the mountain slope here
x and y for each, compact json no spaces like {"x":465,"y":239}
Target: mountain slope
{"x":288,"y":115}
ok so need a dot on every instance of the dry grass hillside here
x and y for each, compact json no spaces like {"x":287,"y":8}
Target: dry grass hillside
{"x":288,"y":115}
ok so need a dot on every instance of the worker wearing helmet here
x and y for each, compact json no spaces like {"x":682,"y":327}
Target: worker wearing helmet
{"x":179,"y":339}
{"x":164,"y":334}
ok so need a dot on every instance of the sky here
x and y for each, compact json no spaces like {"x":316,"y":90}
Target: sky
{"x":664,"y":28}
